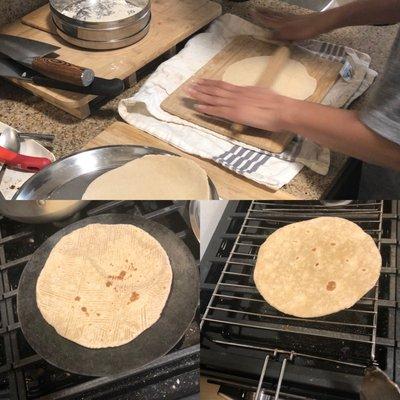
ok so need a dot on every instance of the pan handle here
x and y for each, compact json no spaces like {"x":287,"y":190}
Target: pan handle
{"x":22,"y":162}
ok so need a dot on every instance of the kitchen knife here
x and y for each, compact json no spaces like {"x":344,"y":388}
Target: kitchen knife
{"x":99,"y":86}
{"x":31,"y":54}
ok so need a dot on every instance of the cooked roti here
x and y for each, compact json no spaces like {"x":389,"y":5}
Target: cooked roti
{"x":103,"y":285}
{"x":160,"y":177}
{"x":317,"y":267}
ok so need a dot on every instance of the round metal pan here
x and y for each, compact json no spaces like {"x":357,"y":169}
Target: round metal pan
{"x":109,"y":45}
{"x":69,"y":177}
{"x":57,"y":7}
{"x":103,"y":35}
{"x":156,"y":341}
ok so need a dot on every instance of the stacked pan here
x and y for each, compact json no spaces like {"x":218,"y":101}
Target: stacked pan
{"x":101,"y":24}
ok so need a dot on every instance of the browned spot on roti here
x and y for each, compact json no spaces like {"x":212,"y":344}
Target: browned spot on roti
{"x":84,"y":309}
{"x":119,"y":277}
{"x":316,"y":264}
{"x":108,"y":283}
{"x":134,"y":297}
{"x":77,"y":298}
{"x":333,"y":244}
{"x":331,"y":286}
{"x":314,"y":249}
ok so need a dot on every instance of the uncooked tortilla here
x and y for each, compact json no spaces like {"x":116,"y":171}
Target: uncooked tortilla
{"x":160,"y":177}
{"x":293,"y":81}
{"x":103,"y":285}
{"x":317,"y":267}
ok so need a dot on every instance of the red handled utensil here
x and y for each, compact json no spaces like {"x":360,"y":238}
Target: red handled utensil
{"x":22,"y":162}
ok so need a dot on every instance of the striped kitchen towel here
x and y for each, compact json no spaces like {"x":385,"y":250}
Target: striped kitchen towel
{"x":273,"y":170}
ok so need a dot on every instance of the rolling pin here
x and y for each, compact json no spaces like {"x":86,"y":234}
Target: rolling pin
{"x":275,"y":65}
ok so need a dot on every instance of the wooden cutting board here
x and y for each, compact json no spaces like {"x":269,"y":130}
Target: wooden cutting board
{"x":172,"y":22}
{"x":228,"y":184}
{"x":325,"y":72}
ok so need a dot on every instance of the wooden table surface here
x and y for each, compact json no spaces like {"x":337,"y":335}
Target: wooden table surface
{"x":229,"y":185}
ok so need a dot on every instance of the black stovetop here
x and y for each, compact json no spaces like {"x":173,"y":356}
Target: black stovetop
{"x":248,"y":344}
{"x":25,"y":375}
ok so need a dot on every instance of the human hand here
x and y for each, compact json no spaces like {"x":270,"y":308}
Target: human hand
{"x":292,"y":27}
{"x":253,"y":106}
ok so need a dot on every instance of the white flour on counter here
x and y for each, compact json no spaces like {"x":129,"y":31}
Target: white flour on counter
{"x":102,"y":11}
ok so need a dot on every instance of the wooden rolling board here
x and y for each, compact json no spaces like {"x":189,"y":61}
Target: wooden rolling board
{"x":172,"y":22}
{"x":325,"y":72}
{"x":229,"y":185}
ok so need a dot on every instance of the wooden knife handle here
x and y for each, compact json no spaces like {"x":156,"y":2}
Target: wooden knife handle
{"x":63,"y":71}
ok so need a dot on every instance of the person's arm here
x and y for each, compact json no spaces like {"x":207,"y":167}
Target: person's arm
{"x":366,"y":12}
{"x":299,"y":27}
{"x":339,"y":130}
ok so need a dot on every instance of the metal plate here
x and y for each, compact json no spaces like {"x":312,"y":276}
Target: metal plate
{"x":153,"y":343}
{"x":102,"y":35}
{"x":69,"y":177}
{"x":109,"y":45}
{"x":57,"y":6}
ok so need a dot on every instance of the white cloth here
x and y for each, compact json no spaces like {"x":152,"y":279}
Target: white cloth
{"x":143,"y":109}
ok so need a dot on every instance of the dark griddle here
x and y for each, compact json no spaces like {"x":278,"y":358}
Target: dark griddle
{"x":249,"y":344}
{"x":150,"y":345}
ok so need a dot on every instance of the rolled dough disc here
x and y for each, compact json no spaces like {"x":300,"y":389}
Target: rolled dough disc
{"x":103,"y":285}
{"x":160,"y":177}
{"x":317,"y":267}
{"x":293,"y":81}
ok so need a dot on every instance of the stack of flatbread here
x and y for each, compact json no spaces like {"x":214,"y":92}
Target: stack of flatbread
{"x":161,"y":177}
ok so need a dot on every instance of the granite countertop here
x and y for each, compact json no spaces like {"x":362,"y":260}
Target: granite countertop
{"x":29,"y":113}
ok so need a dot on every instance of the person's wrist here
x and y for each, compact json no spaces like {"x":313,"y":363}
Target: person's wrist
{"x":333,"y":19}
{"x":288,"y":114}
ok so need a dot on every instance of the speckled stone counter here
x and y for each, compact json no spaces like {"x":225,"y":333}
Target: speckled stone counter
{"x":10,"y":10}
{"x":28,"y":113}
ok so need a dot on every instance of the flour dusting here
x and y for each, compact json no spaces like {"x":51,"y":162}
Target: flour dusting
{"x":102,"y":11}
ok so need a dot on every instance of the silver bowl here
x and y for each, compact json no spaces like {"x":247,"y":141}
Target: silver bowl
{"x":58,"y":8}
{"x":108,"y":45}
{"x":88,"y":24}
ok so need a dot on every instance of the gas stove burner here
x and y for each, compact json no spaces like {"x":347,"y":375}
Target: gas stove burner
{"x":249,"y":345}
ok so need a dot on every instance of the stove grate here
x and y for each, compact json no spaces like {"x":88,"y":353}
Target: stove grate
{"x":236,"y":317}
